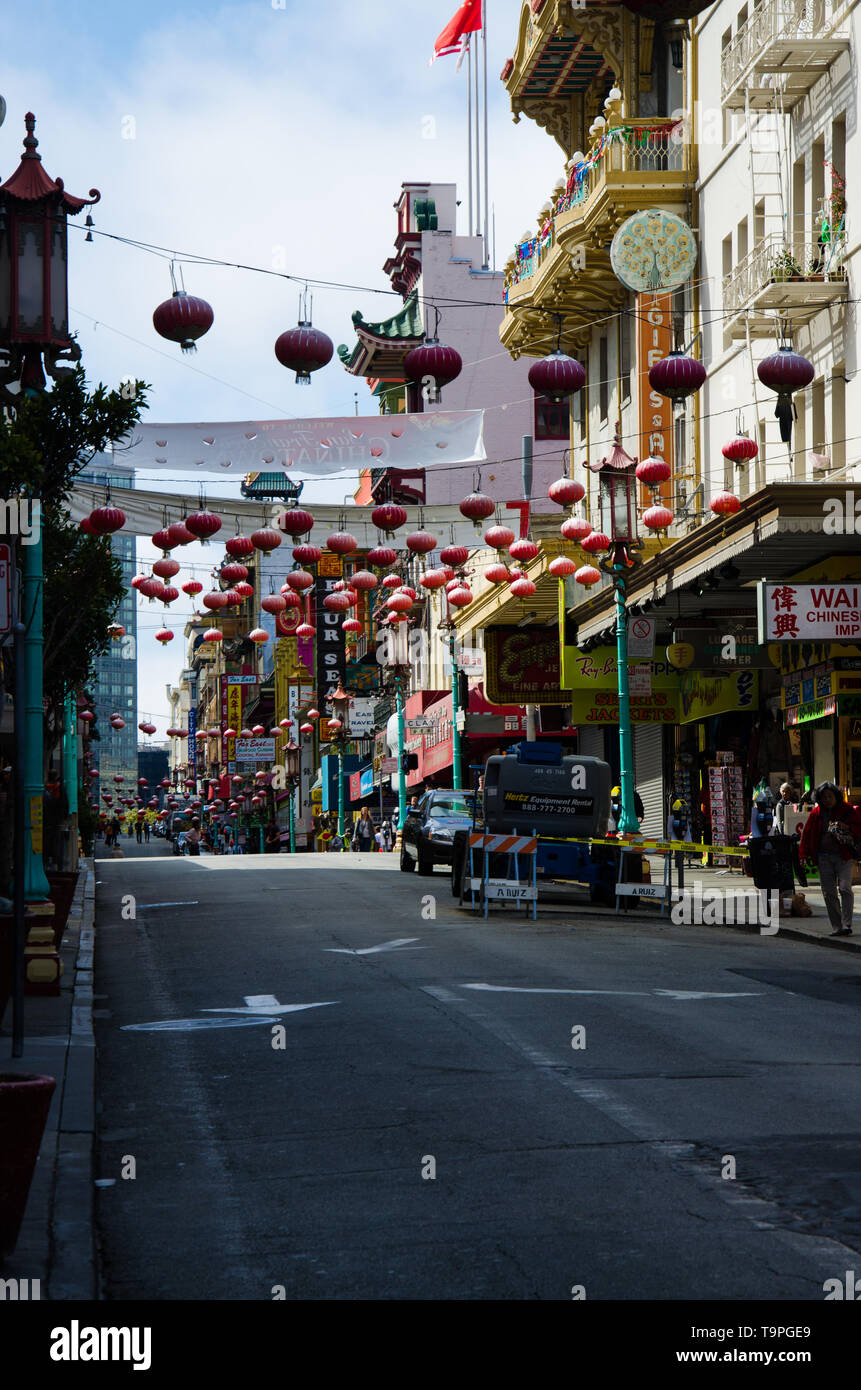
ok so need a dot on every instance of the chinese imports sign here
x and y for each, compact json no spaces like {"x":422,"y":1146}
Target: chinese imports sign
{"x":826,"y":612}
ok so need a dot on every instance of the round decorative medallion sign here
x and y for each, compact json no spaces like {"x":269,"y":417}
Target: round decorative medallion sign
{"x":653,"y":250}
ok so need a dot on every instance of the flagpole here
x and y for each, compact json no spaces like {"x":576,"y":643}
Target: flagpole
{"x":486,"y":168}
{"x":476,"y":229}
{"x":469,"y":132}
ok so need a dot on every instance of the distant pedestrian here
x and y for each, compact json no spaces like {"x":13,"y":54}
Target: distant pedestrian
{"x":139,"y":832}
{"x":832,"y":839}
{"x":363,"y":831}
{"x":146,"y":831}
{"x":387,"y":834}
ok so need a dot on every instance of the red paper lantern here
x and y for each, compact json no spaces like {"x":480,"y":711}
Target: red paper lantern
{"x":166,"y":569}
{"x":336,"y":603}
{"x":273,"y":603}
{"x":231,"y":573}
{"x":244,"y":589}
{"x":183,"y":319}
{"x":460,"y":596}
{"x":168,"y":593}
{"x":216,"y":600}
{"x":562,"y":566}
{"x":477,"y":507}
{"x":299,"y":580}
{"x":304,"y":350}
{"x":658,"y":518}
{"x":557,"y":376}
{"x":587,"y":575}
{"x":595,"y":542}
{"x":566,"y":491}
{"x":420,"y":542}
{"x":202,"y":525}
{"x":265,"y":540}
{"x":575,"y":529}
{"x":388,"y":517}
{"x":523,"y":588}
{"x":179,"y":534}
{"x":291,"y":598}
{"x":724,"y":503}
{"x":740,"y":449}
{"x":307,"y":554}
{"x":432,"y":579}
{"x":497,"y":574}
{"x":524,"y":550}
{"x":399,"y":603}
{"x":234,"y":598}
{"x":295,"y":522}
{"x":104,"y":521}
{"x":351,"y":625}
{"x":653,"y":471}
{"x":342,"y":543}
{"x":391,"y":581}
{"x":363,"y":579}
{"x":677,"y":376}
{"x":382,"y":556}
{"x":238,"y":547}
{"x":164,"y":636}
{"x":193,"y":587}
{"x":499,"y":537}
{"x":454,"y":555}
{"x":435,"y":362}
{"x":785,"y":372}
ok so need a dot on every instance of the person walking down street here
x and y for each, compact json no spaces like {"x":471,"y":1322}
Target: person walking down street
{"x":387,"y":834}
{"x":789,"y":798}
{"x":831,"y":839}
{"x":146,"y":831}
{"x":272,"y":843}
{"x":193,"y":837}
{"x":139,"y":832}
{"x":363,"y":831}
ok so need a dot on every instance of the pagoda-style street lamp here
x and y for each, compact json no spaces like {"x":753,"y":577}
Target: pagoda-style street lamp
{"x":339,"y":703}
{"x":618,"y":512}
{"x":34,"y":338}
{"x":396,"y":663}
{"x":292,"y":755}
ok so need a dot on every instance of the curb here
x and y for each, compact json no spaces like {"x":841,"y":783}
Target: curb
{"x":72,"y":1273}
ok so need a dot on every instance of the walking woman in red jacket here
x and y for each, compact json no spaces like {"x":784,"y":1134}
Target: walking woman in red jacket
{"x":832,"y":839}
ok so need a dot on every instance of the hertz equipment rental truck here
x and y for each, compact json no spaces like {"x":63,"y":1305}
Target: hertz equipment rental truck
{"x":535,"y":788}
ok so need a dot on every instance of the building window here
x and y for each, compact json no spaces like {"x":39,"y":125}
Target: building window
{"x":552,"y":419}
{"x":603,"y":377}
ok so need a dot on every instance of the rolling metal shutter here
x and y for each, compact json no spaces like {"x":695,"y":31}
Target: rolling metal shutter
{"x":649,"y":775}
{"x":590,"y":741}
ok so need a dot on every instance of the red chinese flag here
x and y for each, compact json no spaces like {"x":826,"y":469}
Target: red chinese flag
{"x":468,"y":20}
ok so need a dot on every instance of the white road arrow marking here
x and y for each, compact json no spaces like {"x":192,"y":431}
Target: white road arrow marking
{"x":193,"y":903}
{"x":666,"y":993}
{"x":257,"y":1004}
{"x":259,"y":1008}
{"x":375,"y":950}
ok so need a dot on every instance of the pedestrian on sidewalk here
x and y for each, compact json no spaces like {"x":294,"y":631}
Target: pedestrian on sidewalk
{"x":363,"y":831}
{"x":146,"y":831}
{"x":788,"y":800}
{"x":139,"y":831}
{"x":388,"y":835}
{"x":831,"y":839}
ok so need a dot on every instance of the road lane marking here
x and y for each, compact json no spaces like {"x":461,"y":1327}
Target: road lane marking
{"x":259,"y":1008}
{"x":374,"y":950}
{"x":194,"y":903}
{"x":665,"y":993}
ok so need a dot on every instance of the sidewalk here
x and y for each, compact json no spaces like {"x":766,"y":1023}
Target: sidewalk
{"x":56,"y":1244}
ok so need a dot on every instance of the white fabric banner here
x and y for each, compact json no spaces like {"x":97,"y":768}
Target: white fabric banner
{"x":311,"y":448}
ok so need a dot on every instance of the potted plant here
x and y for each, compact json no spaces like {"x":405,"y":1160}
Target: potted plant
{"x":25,"y":1100}
{"x":784,"y":266}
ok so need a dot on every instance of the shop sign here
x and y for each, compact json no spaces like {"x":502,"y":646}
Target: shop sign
{"x":814,"y":709}
{"x":702,"y":695}
{"x":793,"y":612}
{"x":522,"y":666}
{"x":255,"y":750}
{"x":598,"y":670}
{"x":641,"y":639}
{"x":602,"y":707}
{"x":727,"y":647}
{"x":361,"y":718}
{"x":654,"y":340}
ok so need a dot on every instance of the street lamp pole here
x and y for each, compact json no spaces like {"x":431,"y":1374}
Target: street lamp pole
{"x":402,"y":738}
{"x":618,"y":511}
{"x":455,"y":711}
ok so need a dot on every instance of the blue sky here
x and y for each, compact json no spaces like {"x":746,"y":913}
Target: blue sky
{"x":253,"y":134}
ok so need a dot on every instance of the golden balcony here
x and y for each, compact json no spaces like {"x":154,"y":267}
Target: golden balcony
{"x":780,"y":51}
{"x":787,"y":280}
{"x":634,"y":164}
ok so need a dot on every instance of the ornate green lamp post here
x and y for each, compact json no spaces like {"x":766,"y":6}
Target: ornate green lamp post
{"x":292,"y":775}
{"x":340,"y":704}
{"x":618,"y":512}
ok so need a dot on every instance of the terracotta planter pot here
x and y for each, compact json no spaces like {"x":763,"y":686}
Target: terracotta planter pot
{"x":24,"y":1104}
{"x":62,"y":893}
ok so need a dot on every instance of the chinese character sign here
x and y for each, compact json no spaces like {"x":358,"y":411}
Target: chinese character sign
{"x":825,"y":612}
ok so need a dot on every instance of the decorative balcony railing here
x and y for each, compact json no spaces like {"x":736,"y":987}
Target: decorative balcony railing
{"x":646,"y":146}
{"x":774,"y":22}
{"x":776,"y":261}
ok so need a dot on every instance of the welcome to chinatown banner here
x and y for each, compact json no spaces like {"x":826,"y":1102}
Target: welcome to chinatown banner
{"x":313,"y":448}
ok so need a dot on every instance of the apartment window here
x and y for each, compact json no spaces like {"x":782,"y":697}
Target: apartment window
{"x":817,"y":184}
{"x":626,"y":343}
{"x":818,"y":437}
{"x":726,"y":40}
{"x":603,"y":377}
{"x":741,"y":239}
{"x":552,"y":419}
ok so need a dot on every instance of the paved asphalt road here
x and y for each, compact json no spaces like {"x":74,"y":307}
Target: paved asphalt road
{"x":555,"y":1166}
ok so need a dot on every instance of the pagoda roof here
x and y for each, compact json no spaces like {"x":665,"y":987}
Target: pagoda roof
{"x":381,"y":347}
{"x":30,"y":182}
